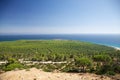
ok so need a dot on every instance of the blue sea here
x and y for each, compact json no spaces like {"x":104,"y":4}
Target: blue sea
{"x":108,"y":40}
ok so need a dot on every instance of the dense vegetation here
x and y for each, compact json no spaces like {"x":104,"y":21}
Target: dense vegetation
{"x":80,"y":56}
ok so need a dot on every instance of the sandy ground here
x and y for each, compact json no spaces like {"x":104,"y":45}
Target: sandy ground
{"x":36,"y":74}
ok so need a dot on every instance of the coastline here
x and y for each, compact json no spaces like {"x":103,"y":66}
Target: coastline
{"x":107,"y":40}
{"x":117,"y":48}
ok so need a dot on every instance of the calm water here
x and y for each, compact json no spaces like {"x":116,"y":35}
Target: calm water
{"x":109,"y":40}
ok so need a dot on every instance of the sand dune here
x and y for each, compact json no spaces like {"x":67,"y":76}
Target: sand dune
{"x":36,"y":74}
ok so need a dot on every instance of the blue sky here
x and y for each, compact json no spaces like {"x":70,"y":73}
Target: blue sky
{"x":59,"y":16}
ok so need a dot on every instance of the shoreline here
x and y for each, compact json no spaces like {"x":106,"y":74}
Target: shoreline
{"x":117,"y":48}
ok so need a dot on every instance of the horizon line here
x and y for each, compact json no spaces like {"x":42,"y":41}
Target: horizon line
{"x":67,"y":34}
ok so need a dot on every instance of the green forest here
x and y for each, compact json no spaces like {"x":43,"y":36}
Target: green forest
{"x":80,"y":56}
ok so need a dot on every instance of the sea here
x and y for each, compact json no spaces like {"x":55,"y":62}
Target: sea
{"x":112,"y":40}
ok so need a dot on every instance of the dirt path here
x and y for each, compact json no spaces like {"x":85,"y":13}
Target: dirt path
{"x":36,"y":74}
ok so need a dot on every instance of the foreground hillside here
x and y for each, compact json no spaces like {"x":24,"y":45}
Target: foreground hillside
{"x":60,"y":55}
{"x":36,"y":74}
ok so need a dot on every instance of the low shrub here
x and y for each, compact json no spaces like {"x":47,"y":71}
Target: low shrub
{"x":13,"y":66}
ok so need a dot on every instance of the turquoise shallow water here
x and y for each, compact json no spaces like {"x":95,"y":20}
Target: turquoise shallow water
{"x":109,"y":40}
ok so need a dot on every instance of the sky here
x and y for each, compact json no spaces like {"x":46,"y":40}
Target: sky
{"x":59,"y":16}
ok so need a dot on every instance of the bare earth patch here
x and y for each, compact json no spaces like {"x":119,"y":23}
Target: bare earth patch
{"x":37,"y":74}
